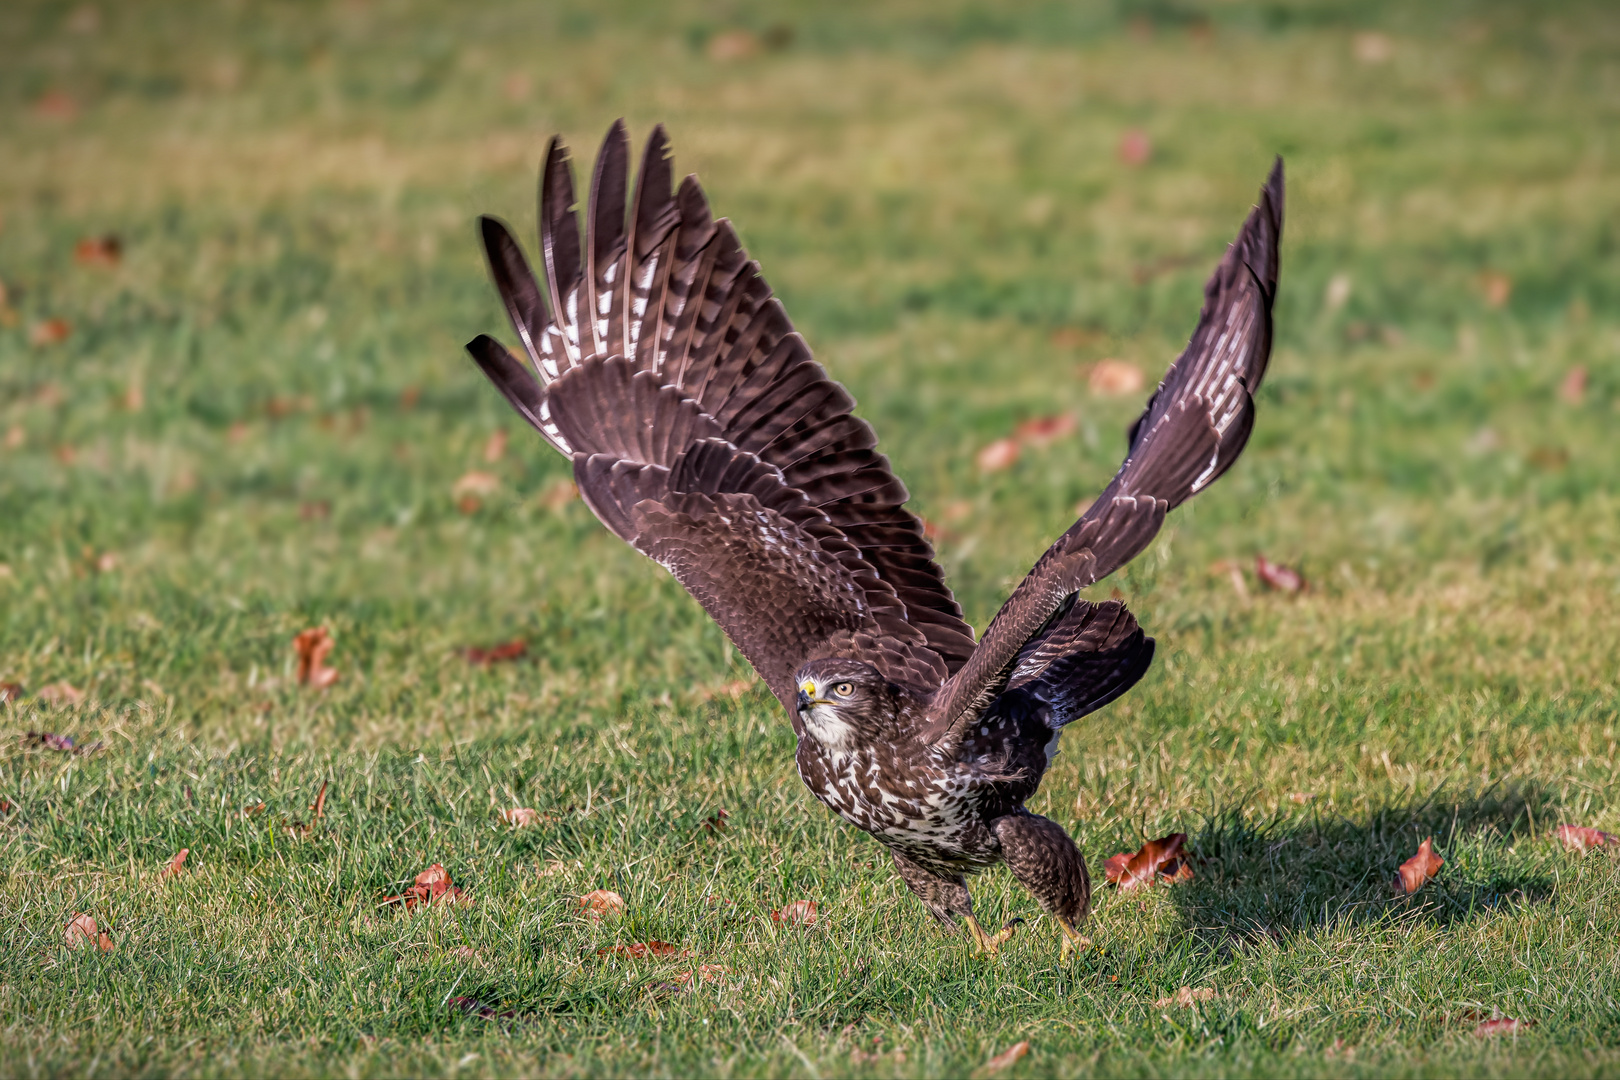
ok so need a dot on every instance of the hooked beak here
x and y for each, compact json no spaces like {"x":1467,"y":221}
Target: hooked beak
{"x":804,"y":701}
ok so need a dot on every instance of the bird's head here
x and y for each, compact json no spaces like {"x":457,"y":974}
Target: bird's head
{"x":840,"y":700}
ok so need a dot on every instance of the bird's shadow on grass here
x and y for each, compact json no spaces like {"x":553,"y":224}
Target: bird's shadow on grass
{"x":1294,"y":873}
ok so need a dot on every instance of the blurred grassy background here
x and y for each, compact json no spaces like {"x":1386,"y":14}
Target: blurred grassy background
{"x":258,"y":413}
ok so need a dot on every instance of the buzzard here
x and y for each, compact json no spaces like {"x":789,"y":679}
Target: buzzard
{"x":702,"y":433}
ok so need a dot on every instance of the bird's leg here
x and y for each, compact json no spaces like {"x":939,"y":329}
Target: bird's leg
{"x":1073,"y":940}
{"x":989,"y":943}
{"x":1046,"y":862}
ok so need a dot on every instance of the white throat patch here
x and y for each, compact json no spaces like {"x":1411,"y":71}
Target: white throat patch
{"x":830,"y":730}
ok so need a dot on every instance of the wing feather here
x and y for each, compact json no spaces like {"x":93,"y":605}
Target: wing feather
{"x":1195,"y":425}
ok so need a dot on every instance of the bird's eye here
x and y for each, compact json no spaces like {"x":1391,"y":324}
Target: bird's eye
{"x":844,"y":689}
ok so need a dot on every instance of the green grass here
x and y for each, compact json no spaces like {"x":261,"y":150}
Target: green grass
{"x":933,"y":189}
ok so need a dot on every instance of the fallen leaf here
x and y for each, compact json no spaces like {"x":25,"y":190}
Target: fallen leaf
{"x":10,"y":691}
{"x":83,"y":932}
{"x":600,"y":904}
{"x":431,"y":886}
{"x":1114,"y":378}
{"x":475,"y":483}
{"x":520,"y":816}
{"x":55,"y":105}
{"x":1573,"y":388}
{"x":507,"y":650}
{"x":1158,"y":860}
{"x":1579,"y":838}
{"x":177,"y":865}
{"x":1185,"y":997}
{"x":516,"y":87}
{"x":253,"y":811}
{"x":1504,"y":1026}
{"x":798,"y":913}
{"x":641,"y":950}
{"x":314,"y":645}
{"x":716,"y":822}
{"x":1045,"y":429}
{"x":1371,"y":47}
{"x":1497,"y":287}
{"x":1277,"y":576}
{"x":49,"y":332}
{"x":7,"y":806}
{"x":103,"y":251}
{"x":495,"y":446}
{"x":702,"y":973}
{"x":559,"y":495}
{"x":999,"y":455}
{"x":1006,"y":1057}
{"x":1416,"y":871}
{"x":1135,"y":148}
{"x":1074,"y":337}
{"x":733,"y":45}
{"x":1302,"y":797}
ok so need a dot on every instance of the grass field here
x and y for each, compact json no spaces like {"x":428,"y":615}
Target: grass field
{"x":258,"y":415}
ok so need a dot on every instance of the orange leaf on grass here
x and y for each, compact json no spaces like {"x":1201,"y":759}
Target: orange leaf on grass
{"x":1114,"y":378}
{"x":314,"y":646}
{"x":641,"y":950}
{"x":83,"y":932}
{"x":431,"y":886}
{"x":798,"y":913}
{"x":1044,"y":429}
{"x":1157,"y":861}
{"x":177,"y":865}
{"x":103,"y":251}
{"x":1579,"y":838}
{"x":1497,"y":287}
{"x":1573,"y":387}
{"x":1007,"y":1057}
{"x":496,"y":654}
{"x":599,"y":904}
{"x":495,"y":446}
{"x":1420,"y":868}
{"x":1001,"y":454}
{"x":1135,"y":148}
{"x":55,"y":105}
{"x":520,"y":816}
{"x":1505,"y":1025}
{"x":716,"y":822}
{"x":1277,"y":576}
{"x":49,"y":332}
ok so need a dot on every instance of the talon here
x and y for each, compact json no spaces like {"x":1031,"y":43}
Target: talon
{"x":1073,"y":940}
{"x":989,"y":944}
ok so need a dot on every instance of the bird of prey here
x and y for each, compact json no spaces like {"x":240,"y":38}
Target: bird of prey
{"x":703,"y":434}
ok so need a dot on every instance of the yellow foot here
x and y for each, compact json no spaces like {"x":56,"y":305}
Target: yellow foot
{"x":1073,"y":940}
{"x":987,"y":943}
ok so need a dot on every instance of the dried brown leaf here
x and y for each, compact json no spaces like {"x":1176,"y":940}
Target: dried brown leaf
{"x":1007,"y":1057}
{"x":82,"y":932}
{"x":519,"y":816}
{"x":1420,"y":868}
{"x":1045,"y":429}
{"x":643,"y":950}
{"x":599,"y":904}
{"x":1001,"y":454}
{"x":1114,"y":378}
{"x":1135,"y":148}
{"x":10,"y":691}
{"x":505,"y":652}
{"x":1579,"y":838}
{"x":797,"y":913}
{"x":495,"y":446}
{"x":475,"y":483}
{"x":716,"y":822}
{"x":432,"y":885}
{"x":1573,"y":388}
{"x":103,"y":251}
{"x":56,"y":105}
{"x":1158,"y":861}
{"x":1505,"y":1025}
{"x":314,"y":646}
{"x":1277,"y":576}
{"x":49,"y":332}
{"x":177,"y":865}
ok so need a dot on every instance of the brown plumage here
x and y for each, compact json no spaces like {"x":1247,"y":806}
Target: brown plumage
{"x":703,"y":433}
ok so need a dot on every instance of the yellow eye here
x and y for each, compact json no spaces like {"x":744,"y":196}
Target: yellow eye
{"x":844,"y":689}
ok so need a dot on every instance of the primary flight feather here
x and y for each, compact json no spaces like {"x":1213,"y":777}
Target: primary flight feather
{"x":703,"y":433}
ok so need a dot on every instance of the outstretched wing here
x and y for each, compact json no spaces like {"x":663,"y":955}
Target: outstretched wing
{"x":656,"y":338}
{"x":1193,"y":428}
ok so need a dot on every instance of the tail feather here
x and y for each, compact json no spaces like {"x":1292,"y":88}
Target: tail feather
{"x":605,"y":267}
